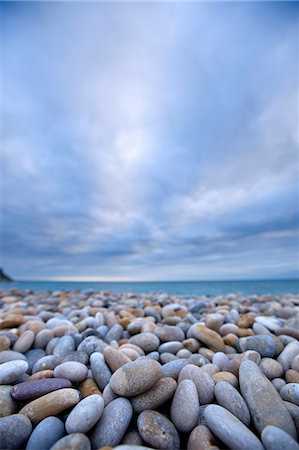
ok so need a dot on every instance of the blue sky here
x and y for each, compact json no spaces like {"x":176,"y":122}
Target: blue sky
{"x":149,"y":141}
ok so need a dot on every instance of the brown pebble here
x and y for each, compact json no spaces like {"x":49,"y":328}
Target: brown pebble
{"x":25,"y":341}
{"x":4,"y":343}
{"x":210,"y":338}
{"x":42,"y":374}
{"x":226,"y":376}
{"x":89,"y":387}
{"x":11,"y":321}
{"x":292,"y":376}
{"x":231,"y":339}
{"x":201,"y":438}
{"x":115,"y":358}
{"x":246,"y":321}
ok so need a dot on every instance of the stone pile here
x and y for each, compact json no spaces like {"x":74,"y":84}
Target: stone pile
{"x":95,"y":370}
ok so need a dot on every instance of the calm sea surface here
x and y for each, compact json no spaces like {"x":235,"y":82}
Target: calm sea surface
{"x":177,"y":288}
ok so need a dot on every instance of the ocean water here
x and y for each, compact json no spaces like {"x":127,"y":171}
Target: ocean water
{"x":185,"y":288}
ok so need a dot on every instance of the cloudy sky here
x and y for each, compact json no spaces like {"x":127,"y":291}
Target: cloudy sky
{"x":149,"y":141}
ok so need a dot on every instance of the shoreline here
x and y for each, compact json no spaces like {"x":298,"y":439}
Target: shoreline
{"x":101,"y":369}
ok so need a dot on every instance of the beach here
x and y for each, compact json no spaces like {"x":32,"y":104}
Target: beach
{"x":82,"y":370}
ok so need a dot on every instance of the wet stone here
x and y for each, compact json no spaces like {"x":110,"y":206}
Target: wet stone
{"x":157,"y":430}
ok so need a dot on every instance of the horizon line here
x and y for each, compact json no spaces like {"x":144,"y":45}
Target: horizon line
{"x":101,"y":280}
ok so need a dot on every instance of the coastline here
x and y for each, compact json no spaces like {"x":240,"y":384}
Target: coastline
{"x":153,"y":370}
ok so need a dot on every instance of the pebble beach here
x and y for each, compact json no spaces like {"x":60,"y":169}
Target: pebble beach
{"x":96,"y":370}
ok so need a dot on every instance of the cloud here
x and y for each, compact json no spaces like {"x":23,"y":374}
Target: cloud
{"x":149,"y":141}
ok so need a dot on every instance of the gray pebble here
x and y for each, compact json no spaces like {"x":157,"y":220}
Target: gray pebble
{"x":71,"y":370}
{"x":75,"y":441}
{"x":48,"y":431}
{"x":85,"y":414}
{"x":290,"y":392}
{"x":10,"y":355}
{"x":173,"y":368}
{"x":184,"y":409}
{"x":8,"y":405}
{"x":12,"y":371}
{"x":202,"y":380}
{"x":228,"y":397}
{"x":113,"y":424}
{"x":149,"y":342}
{"x":157,"y":430}
{"x":14,"y":431}
{"x":276,"y":439}
{"x":262,"y":343}
{"x":286,"y":356}
{"x":271,"y":368}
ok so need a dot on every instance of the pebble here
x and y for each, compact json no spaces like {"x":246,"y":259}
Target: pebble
{"x":148,"y":342}
{"x":295,"y":363}
{"x":272,"y":323}
{"x":75,"y":441}
{"x":24,"y":342}
{"x":168,"y":333}
{"x":259,"y":393}
{"x":271,"y":368}
{"x":71,"y":370}
{"x":157,"y":430}
{"x":290,"y":393}
{"x":170,"y":347}
{"x":30,"y":390}
{"x":100,"y":371}
{"x":4,"y":343}
{"x":220,"y":359}
{"x":201,"y":438}
{"x":115,"y":358}
{"x":202,"y":380}
{"x":228,"y":397}
{"x":48,"y":362}
{"x":262,"y":343}
{"x":48,"y":431}
{"x":289,"y":352}
{"x":173,"y":368}
{"x":292,"y":376}
{"x":276,"y":439}
{"x":113,"y":424}
{"x":8,"y":405}
{"x":14,"y":431}
{"x":230,"y":430}
{"x":12,"y":371}
{"x":184,"y":409}
{"x":136,"y":377}
{"x":162,"y":391}
{"x":210,"y":338}
{"x":278,"y":383}
{"x":226,"y":376}
{"x":50,"y":404}
{"x":85,"y":414}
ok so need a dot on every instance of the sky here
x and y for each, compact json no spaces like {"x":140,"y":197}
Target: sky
{"x":149,"y":141}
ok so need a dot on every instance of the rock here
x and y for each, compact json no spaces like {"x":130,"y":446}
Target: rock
{"x":201,"y":439}
{"x":162,"y":391}
{"x":272,"y":323}
{"x":149,"y":342}
{"x":48,"y":431}
{"x":184,"y":409}
{"x":80,"y":357}
{"x":71,"y":370}
{"x":276,"y":439}
{"x":30,"y":390}
{"x":259,"y":393}
{"x":262,"y":343}
{"x":278,"y":383}
{"x":89,"y":387}
{"x":209,"y":337}
{"x":108,"y":395}
{"x":12,"y":371}
{"x":290,"y":393}
{"x":230,"y":430}
{"x":32,"y":356}
{"x":292,"y":376}
{"x":228,"y":397}
{"x":214,"y":321}
{"x":136,"y":377}
{"x":11,"y":321}
{"x":24,"y":342}
{"x":132,"y":438}
{"x":42,"y":338}
{"x":4,"y":343}
{"x":295,"y":363}
{"x":170,"y":347}
{"x":113,"y":424}
{"x":14,"y":431}
{"x":100,"y":371}
{"x":220,"y":359}
{"x":286,"y":356}
{"x":226,"y":376}
{"x":158,"y":431}
{"x":202,"y":380}
{"x":85,"y":414}
{"x":50,"y":404}
{"x":8,"y":405}
{"x":173,"y":368}
{"x":115,"y":358}
{"x":271,"y":368}
{"x":75,"y":441}
{"x":46,"y":363}
{"x":168,"y":333}
{"x":252,"y":355}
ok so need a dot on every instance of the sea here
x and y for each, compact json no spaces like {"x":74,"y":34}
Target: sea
{"x":181,"y":288}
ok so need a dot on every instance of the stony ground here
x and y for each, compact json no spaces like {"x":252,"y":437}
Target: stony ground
{"x":82,"y":370}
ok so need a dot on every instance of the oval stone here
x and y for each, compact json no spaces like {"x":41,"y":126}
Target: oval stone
{"x":259,"y":393}
{"x":12,"y":371}
{"x":48,"y":431}
{"x":184,"y":409}
{"x":100,"y":371}
{"x":24,"y":342}
{"x":50,"y":404}
{"x":75,"y":441}
{"x":202,"y":380}
{"x":271,"y":368}
{"x":8,"y":405}
{"x":136,"y":377}
{"x":228,"y":397}
{"x":149,"y":342}
{"x":161,"y":392}
{"x":85,"y":414}
{"x":262,"y":343}
{"x":14,"y":431}
{"x":210,"y":338}
{"x":30,"y":390}
{"x":289,"y":352}
{"x":72,"y":370}
{"x":113,"y":424}
{"x":276,"y":439}
{"x":115,"y":358}
{"x":173,"y":368}
{"x":168,"y":333}
{"x":230,"y":430}
{"x":201,"y":438}
{"x":290,"y":392}
{"x":158,"y":431}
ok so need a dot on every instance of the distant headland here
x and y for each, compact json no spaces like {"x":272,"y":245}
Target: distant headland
{"x":4,"y":277}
